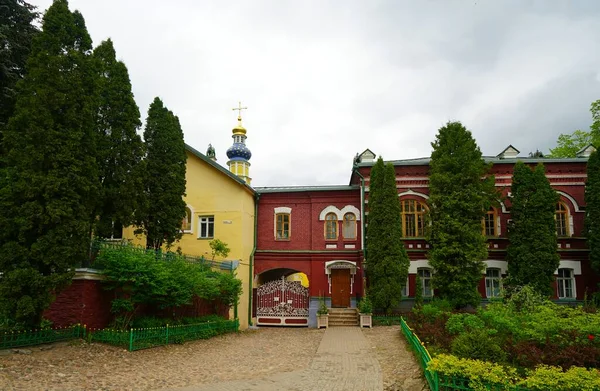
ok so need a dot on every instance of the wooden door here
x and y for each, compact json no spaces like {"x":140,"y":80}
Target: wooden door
{"x":340,"y":288}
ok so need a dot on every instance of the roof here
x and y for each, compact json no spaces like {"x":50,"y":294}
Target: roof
{"x":220,"y":168}
{"x":294,"y":189}
{"x":424,"y":161}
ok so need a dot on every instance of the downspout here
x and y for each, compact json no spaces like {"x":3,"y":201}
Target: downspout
{"x":251,"y":268}
{"x":362,"y":211}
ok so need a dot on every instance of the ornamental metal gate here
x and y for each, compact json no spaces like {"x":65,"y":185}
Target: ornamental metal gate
{"x":282,"y":303}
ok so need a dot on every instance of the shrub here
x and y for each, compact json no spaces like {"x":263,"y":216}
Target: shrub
{"x":459,"y":323}
{"x":365,"y":306}
{"x":478,"y":372}
{"x":553,"y":378}
{"x":478,"y":345}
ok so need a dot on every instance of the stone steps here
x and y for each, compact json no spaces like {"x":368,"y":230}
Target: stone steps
{"x":343,"y":317}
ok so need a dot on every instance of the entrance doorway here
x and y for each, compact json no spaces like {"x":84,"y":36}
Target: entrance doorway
{"x":340,"y":288}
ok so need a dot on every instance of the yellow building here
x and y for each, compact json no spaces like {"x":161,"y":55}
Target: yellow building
{"x":220,"y":205}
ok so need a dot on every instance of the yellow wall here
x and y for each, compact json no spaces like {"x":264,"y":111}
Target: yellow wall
{"x":210,"y":192}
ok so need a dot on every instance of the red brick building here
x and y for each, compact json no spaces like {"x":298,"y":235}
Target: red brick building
{"x":318,"y":231}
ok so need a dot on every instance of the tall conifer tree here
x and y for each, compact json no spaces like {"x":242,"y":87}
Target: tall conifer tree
{"x":592,"y":209}
{"x":16,"y":32}
{"x":532,"y":251}
{"x":458,"y":199}
{"x":387,"y":263}
{"x":163,"y":209}
{"x":51,"y":173}
{"x":120,"y":148}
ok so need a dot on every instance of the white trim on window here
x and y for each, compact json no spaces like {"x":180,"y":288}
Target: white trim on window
{"x":565,"y":284}
{"x":418,"y":264}
{"x":495,"y":264}
{"x":205,"y":224}
{"x":283,"y":209}
{"x":573,"y":265}
{"x":191,"y":230}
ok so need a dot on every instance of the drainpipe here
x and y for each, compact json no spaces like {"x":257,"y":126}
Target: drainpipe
{"x":250,"y":274}
{"x":362,"y":211}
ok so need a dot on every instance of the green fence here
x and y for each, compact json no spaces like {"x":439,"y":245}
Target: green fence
{"x":422,"y":355}
{"x":37,"y":337}
{"x":136,"y":339}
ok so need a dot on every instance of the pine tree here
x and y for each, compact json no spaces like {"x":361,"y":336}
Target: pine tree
{"x":120,"y":148}
{"x":16,"y":33}
{"x":163,"y":209}
{"x":387,"y":264}
{"x":458,"y":199}
{"x":532,"y":251}
{"x":592,"y":208}
{"x":51,"y":175}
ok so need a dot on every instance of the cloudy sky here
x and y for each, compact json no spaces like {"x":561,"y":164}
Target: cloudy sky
{"x":326,"y":79}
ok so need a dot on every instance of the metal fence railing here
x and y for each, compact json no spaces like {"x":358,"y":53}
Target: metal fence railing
{"x":137,"y":339}
{"x":18,"y":339}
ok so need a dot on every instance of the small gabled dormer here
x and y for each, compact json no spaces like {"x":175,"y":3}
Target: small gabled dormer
{"x":509,"y":152}
{"x":586,"y":151}
{"x":367,"y":156}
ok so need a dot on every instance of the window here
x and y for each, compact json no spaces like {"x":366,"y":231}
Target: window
{"x":565,"y":284}
{"x":425,"y":275}
{"x":413,"y":218}
{"x":186,"y":223}
{"x":489,"y":223}
{"x":562,"y":219}
{"x":331,"y":225}
{"x":349,"y":226}
{"x":405,"y":289}
{"x":282,"y":226}
{"x":492,"y":282}
{"x":207,"y":227}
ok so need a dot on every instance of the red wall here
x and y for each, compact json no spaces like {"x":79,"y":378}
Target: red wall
{"x":307,"y":232}
{"x":84,"y":302}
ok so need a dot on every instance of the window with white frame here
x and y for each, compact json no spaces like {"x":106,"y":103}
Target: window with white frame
{"x":425,"y":275}
{"x":565,"y":284}
{"x":207,"y":227}
{"x":492,"y":282}
{"x":562,"y":219}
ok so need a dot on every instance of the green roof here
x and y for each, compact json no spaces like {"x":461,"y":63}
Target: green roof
{"x":294,"y":189}
{"x":220,"y":168}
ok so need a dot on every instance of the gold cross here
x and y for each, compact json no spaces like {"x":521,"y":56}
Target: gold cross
{"x":239,"y":109}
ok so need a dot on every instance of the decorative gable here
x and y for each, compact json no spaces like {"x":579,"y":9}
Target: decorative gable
{"x":509,"y":152}
{"x":586,"y":151}
{"x":367,"y":156}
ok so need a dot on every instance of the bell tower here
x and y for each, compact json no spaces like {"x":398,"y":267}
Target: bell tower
{"x":239,"y":154}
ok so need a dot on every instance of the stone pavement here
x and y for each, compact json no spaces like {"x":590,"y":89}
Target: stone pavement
{"x":343,"y":362}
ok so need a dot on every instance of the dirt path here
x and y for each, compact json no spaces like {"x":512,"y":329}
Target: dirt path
{"x":249,"y":356}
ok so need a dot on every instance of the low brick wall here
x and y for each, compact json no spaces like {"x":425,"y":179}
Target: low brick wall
{"x":84,"y":301}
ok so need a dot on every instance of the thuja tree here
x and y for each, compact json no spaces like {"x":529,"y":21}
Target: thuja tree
{"x":16,"y":33}
{"x":458,"y":199}
{"x":51,"y":175}
{"x":160,"y":215}
{"x":120,"y":148}
{"x":387,"y":263}
{"x":592,"y":202}
{"x":532,"y":251}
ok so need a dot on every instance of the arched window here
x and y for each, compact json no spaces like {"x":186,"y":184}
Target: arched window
{"x":331,"y":226}
{"x":349,"y":226}
{"x":562,"y":219}
{"x":488,"y":224}
{"x":425,"y":275}
{"x":565,"y":283}
{"x":492,"y":282}
{"x":186,"y":223}
{"x":413,"y":218}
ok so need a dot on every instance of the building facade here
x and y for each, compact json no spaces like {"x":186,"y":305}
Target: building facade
{"x":318,"y":232}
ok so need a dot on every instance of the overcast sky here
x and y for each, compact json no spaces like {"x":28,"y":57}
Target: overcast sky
{"x":323,"y":80}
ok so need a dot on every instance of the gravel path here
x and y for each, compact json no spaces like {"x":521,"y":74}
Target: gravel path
{"x":253,"y":357}
{"x":401,"y":372}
